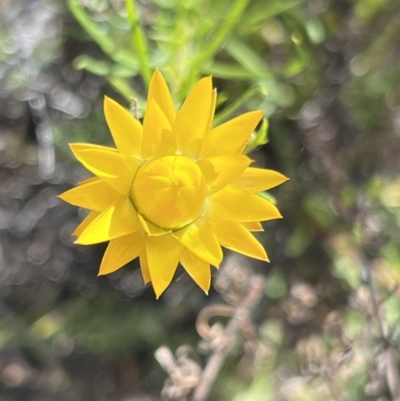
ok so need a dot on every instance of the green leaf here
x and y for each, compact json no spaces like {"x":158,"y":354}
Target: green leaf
{"x":123,"y":87}
{"x":221,"y":34}
{"x":258,"y":139}
{"x":225,"y":114}
{"x":260,"y":389}
{"x":230,"y":71}
{"x":268,"y":197}
{"x":247,"y":57}
{"x":121,"y":71}
{"x":315,"y":31}
{"x":294,"y":67}
{"x":139,"y":41}
{"x":100,"y":36}
{"x":298,"y":241}
{"x":275,"y":285}
{"x":92,"y":65}
{"x":93,"y":29}
{"x":318,"y":208}
{"x":262,"y":11}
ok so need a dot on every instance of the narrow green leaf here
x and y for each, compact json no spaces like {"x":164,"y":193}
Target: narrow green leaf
{"x":121,"y":71}
{"x":228,"y":111}
{"x":93,"y":29}
{"x":258,"y":139}
{"x":294,"y":67}
{"x":97,"y":67}
{"x":230,"y":71}
{"x":247,"y":57}
{"x":268,"y":196}
{"x":315,"y":31}
{"x":101,"y":38}
{"x":139,"y":41}
{"x":123,"y":87}
{"x":262,"y":11}
{"x":221,"y":34}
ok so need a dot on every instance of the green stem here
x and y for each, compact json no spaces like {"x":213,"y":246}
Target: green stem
{"x":226,"y":113}
{"x":90,"y":27}
{"x":120,"y":56}
{"x":139,"y":41}
{"x":220,"y":36}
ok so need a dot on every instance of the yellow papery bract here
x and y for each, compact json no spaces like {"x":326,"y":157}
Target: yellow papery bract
{"x":252,"y":226}
{"x":222,"y":170}
{"x":94,"y":195}
{"x":163,"y":254}
{"x":112,"y":167}
{"x":78,"y":147}
{"x":200,"y":239}
{"x":125,"y":129}
{"x":173,"y":190}
{"x":235,"y":204}
{"x":154,"y":124}
{"x":168,"y":144}
{"x":150,"y":228}
{"x":193,"y":119}
{"x":258,"y":180}
{"x":197,"y":268}
{"x":144,"y":267}
{"x":89,"y":180}
{"x":159,"y":92}
{"x":212,"y":111}
{"x":85,"y":223}
{"x":118,"y":220}
{"x":229,"y":137}
{"x":234,"y":236}
{"x":121,"y":251}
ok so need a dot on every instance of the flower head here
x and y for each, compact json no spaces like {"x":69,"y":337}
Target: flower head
{"x":174,"y":190}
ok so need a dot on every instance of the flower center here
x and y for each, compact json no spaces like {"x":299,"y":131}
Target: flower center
{"x":169,"y":192}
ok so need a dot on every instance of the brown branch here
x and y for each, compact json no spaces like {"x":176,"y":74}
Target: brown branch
{"x":391,"y":358}
{"x":392,"y":375}
{"x":240,"y":317}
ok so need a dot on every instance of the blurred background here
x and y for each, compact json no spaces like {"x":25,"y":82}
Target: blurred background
{"x":326,"y":324}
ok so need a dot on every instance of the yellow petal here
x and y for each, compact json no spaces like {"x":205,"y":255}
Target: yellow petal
{"x":193,"y":119}
{"x":167,"y":146}
{"x":151,"y":229}
{"x":228,"y":138}
{"x":235,"y":204}
{"x":75,"y":147}
{"x":154,"y":123}
{"x":89,"y":180}
{"x":222,"y":170}
{"x":125,"y":129}
{"x":85,"y":223}
{"x":200,"y":239}
{"x":212,"y":110}
{"x":234,"y":236}
{"x":198,"y":269}
{"x":163,"y":255}
{"x":160,"y":93}
{"x":257,"y":179}
{"x":112,"y":167}
{"x":144,"y":267}
{"x":118,"y":220}
{"x":253,"y":226}
{"x":121,"y":251}
{"x":94,"y":195}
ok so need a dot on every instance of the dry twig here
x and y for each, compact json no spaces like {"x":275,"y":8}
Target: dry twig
{"x":240,"y":317}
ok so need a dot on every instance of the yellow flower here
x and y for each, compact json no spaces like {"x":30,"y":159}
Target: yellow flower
{"x":174,"y":189}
